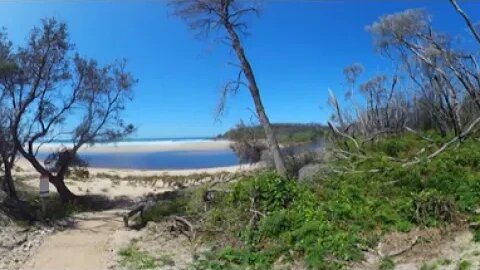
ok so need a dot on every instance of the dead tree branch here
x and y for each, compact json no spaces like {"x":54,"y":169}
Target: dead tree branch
{"x":418,"y":134}
{"x":338,"y":132}
{"x":467,"y":19}
{"x":182,"y":225}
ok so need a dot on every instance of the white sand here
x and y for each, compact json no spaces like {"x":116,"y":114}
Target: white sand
{"x":99,"y":182}
{"x":96,"y":237}
{"x":139,"y":147}
{"x":181,"y":172}
{"x":111,"y":183}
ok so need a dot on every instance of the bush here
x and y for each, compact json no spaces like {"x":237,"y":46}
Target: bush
{"x":327,"y":225}
{"x":248,"y":151}
{"x":387,"y":264}
{"x":133,"y":258}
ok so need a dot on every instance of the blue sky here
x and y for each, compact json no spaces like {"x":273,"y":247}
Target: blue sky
{"x":297,"y":48}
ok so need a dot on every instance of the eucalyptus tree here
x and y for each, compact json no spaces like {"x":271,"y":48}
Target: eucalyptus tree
{"x":229,"y":17}
{"x":55,"y":93}
{"x":433,"y":61}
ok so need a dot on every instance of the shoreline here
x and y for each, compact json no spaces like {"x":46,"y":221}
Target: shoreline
{"x":176,"y":172}
{"x":144,"y":147}
{"x":197,"y":146}
{"x":26,"y":168}
{"x":132,"y":183}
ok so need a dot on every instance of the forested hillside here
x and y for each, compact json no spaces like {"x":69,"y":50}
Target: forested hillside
{"x":288,"y":133}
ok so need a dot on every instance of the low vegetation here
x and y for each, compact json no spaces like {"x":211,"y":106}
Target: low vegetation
{"x":405,"y":152}
{"x":286,"y":133}
{"x":264,"y":219}
{"x":134,"y":258}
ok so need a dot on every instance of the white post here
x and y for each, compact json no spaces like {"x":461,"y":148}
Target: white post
{"x":43,"y":192}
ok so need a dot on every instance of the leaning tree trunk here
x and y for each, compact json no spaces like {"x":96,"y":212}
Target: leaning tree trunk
{"x":63,"y":191}
{"x":255,"y":92}
{"x":8,"y":181}
{"x":58,"y":180}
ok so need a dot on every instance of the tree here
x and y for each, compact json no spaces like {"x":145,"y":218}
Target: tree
{"x":7,"y":154}
{"x":439,"y":68}
{"x":228,"y":15}
{"x":8,"y":150}
{"x":55,"y":93}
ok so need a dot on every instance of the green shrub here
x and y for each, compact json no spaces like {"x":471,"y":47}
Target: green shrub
{"x":476,"y":235}
{"x":431,"y":206}
{"x":464,"y":265}
{"x":165,"y":208}
{"x":427,"y":266}
{"x":133,"y":258}
{"x":328,"y":224}
{"x":386,"y":264}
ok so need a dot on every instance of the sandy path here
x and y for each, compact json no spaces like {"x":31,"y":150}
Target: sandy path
{"x":85,"y":246}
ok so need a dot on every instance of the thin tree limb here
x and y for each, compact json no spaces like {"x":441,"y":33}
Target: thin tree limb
{"x":338,"y":132}
{"x":467,"y":19}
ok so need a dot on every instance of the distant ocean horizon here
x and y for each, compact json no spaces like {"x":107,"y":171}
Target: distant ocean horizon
{"x":151,"y":160}
{"x":140,"y":141}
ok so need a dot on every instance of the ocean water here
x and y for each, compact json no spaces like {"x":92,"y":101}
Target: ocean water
{"x":163,"y":160}
{"x":139,"y":141}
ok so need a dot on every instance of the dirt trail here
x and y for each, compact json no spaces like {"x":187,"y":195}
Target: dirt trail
{"x":84,"y":246}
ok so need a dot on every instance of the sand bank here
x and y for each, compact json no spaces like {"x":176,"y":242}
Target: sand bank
{"x":139,"y":147}
{"x":129,"y":183}
{"x":27,"y":169}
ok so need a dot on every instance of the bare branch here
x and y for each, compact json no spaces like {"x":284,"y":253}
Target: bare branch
{"x":338,"y":132}
{"x":467,"y":19}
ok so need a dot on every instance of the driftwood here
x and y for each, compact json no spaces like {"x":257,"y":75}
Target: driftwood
{"x":399,"y":252}
{"x":222,"y":180}
{"x":209,"y":195}
{"x":182,"y":225}
{"x":139,"y":211}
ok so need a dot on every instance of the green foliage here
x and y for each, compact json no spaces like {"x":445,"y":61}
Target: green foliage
{"x":303,"y":136}
{"x":476,"y":235}
{"x":464,"y":265}
{"x":327,"y":225}
{"x":444,"y":261}
{"x":427,"y":266}
{"x":386,"y":264}
{"x":164,"y":209}
{"x":286,"y":133}
{"x":133,"y":258}
{"x":432,"y":206}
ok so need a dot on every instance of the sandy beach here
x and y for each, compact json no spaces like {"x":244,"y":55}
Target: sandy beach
{"x":162,"y":154}
{"x":142,"y":147}
{"x":131,"y":183}
{"x":109,"y":181}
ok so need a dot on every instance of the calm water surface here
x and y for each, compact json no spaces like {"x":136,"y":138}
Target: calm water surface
{"x":160,"y":160}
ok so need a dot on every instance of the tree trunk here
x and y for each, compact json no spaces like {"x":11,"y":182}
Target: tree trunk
{"x":255,"y":93}
{"x":58,"y":180}
{"x":8,"y":181}
{"x":65,"y":194}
